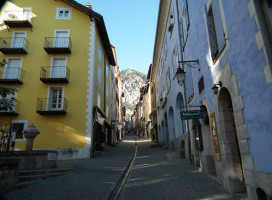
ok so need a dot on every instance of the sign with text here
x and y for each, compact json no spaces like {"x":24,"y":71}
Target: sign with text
{"x":191,"y":114}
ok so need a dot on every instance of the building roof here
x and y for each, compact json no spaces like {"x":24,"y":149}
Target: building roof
{"x":100,"y":25}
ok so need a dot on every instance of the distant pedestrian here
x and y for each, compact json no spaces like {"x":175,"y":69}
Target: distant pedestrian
{"x":118,"y":135}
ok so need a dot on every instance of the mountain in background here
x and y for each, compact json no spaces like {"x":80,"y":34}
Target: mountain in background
{"x":132,"y":82}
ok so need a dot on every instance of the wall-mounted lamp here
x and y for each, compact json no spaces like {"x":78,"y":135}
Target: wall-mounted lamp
{"x":215,"y":87}
{"x":163,"y":99}
{"x":180,"y":74}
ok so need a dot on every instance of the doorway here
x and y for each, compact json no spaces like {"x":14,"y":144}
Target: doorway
{"x":230,"y":142}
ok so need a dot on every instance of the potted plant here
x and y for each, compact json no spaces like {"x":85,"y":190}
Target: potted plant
{"x":170,"y":27}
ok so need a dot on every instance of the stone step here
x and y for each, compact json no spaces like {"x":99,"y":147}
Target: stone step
{"x":27,"y":177}
{"x":37,"y":177}
{"x":23,"y":184}
{"x":43,"y":171}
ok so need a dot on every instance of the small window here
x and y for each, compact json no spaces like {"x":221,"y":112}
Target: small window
{"x":107,"y":69}
{"x":99,"y":51}
{"x":107,"y":90}
{"x":64,"y":13}
{"x":201,"y":85}
{"x":98,"y":100}
{"x":17,"y":129}
{"x":99,"y":76}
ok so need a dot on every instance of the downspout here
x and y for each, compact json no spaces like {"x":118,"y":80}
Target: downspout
{"x":184,"y":85}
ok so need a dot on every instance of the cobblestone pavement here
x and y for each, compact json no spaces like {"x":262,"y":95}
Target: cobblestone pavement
{"x":91,"y":180}
{"x":158,"y":174}
{"x":154,"y":175}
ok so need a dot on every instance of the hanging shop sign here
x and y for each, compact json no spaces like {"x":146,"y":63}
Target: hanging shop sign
{"x":216,"y":147}
{"x":191,"y":114}
{"x":100,"y":119}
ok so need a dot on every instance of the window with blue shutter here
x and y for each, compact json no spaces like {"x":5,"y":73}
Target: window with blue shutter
{"x":216,"y":30}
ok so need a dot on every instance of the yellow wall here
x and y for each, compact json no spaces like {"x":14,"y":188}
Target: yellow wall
{"x":57,"y":131}
{"x":101,"y":88}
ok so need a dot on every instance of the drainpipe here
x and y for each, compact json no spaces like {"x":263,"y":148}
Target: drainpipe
{"x":184,"y":85}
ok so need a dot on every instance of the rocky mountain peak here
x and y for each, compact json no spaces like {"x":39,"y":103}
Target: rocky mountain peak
{"x":132,"y":82}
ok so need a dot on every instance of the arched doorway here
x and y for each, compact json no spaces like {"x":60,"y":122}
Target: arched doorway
{"x":171,"y":124}
{"x":229,"y":142}
{"x":181,"y":129}
{"x":159,"y":133}
{"x":182,"y":149}
{"x":207,"y":161}
{"x":166,"y":128}
{"x":163,"y":138}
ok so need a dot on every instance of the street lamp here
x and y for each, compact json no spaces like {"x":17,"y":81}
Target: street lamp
{"x":180,"y":74}
{"x":215,"y":87}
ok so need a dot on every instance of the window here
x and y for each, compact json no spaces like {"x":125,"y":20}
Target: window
{"x":17,"y":129}
{"x":201,"y":85}
{"x":99,"y":51}
{"x":216,"y":31}
{"x":13,"y":68}
{"x":58,"y":67}
{"x":175,"y":59}
{"x":107,"y":110}
{"x":107,"y":68}
{"x":185,"y":21}
{"x":99,"y":76}
{"x":165,"y":51}
{"x":61,"y":39}
{"x":168,"y":81}
{"x":64,"y":13}
{"x":107,"y":90}
{"x":56,"y":98}
{"x":8,"y":102}
{"x":98,"y":100}
{"x":264,"y":13}
{"x":18,"y":39}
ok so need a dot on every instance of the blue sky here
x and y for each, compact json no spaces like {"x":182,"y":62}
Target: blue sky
{"x":131,"y":27}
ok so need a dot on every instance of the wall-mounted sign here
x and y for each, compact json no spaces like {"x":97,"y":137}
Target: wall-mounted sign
{"x":192,"y":114}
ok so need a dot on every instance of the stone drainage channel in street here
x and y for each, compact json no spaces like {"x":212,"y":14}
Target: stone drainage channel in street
{"x":117,"y":189}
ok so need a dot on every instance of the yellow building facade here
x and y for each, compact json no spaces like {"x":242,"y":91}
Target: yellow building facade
{"x":58,"y":58}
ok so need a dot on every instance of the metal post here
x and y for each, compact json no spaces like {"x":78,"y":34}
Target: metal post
{"x":184,"y":85}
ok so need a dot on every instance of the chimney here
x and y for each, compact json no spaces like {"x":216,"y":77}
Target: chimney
{"x":88,"y":5}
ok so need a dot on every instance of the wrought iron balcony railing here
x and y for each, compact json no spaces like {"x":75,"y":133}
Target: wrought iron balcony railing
{"x":13,"y":110}
{"x":14,"y":45}
{"x":46,"y":106}
{"x":55,"y":74}
{"x":11,"y":75}
{"x":18,"y":18}
{"x":58,"y":45}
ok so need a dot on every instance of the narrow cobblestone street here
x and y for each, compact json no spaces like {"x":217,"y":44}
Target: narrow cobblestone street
{"x":155,"y":174}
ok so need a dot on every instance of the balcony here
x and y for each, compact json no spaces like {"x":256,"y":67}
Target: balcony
{"x":11,"y":75}
{"x":51,"y":106}
{"x":55,"y":74}
{"x":14,"y":111}
{"x":14,"y":45}
{"x":18,"y":18}
{"x":58,"y":45}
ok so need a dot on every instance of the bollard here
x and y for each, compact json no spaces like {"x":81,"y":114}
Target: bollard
{"x":30,"y":133}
